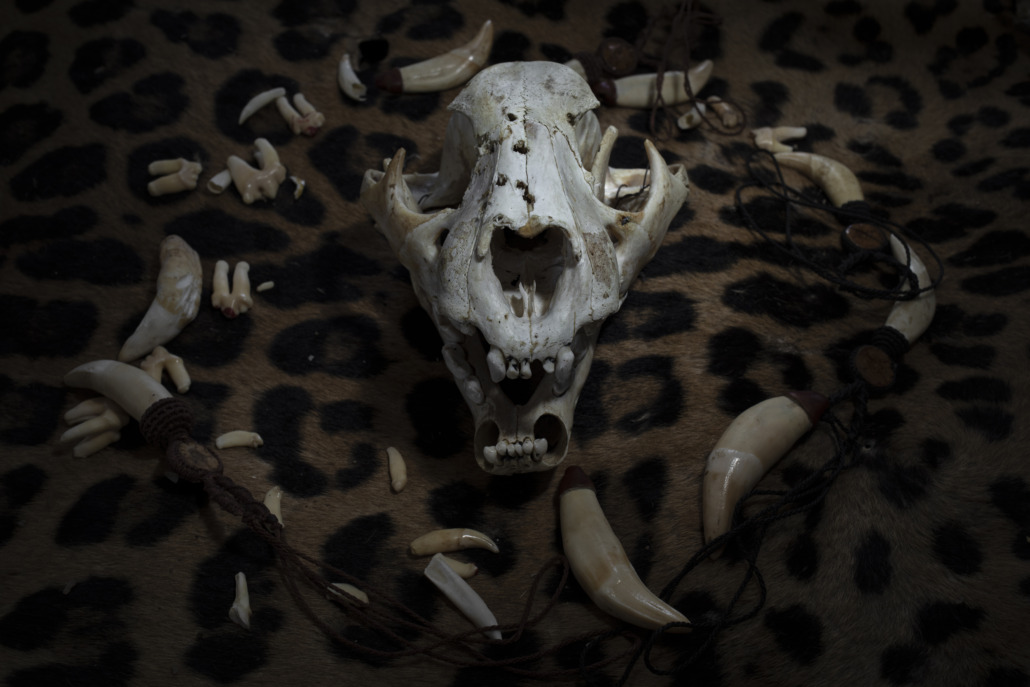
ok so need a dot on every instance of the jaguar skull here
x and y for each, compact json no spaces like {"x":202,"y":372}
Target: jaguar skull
{"x":519,"y":248}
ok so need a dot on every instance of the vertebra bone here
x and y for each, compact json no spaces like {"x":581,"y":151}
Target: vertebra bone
{"x":461,"y":595}
{"x":349,"y":82}
{"x":443,"y":71}
{"x":749,"y":447}
{"x":239,"y":301}
{"x":454,"y":539}
{"x":521,"y":275}
{"x":178,"y":175}
{"x":600,"y":563}
{"x":257,"y":183}
{"x":160,"y":360}
{"x":176,"y":303}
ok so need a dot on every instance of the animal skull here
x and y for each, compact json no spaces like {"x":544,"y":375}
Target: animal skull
{"x":519,"y":249}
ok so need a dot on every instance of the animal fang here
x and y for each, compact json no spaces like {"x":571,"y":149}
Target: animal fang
{"x":443,"y":71}
{"x":454,"y":539}
{"x":461,"y":595}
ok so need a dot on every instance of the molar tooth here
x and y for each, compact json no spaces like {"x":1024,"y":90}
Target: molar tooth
{"x":240,"y":611}
{"x":454,"y":357}
{"x":160,"y":360}
{"x":177,"y":301}
{"x":96,"y":423}
{"x":178,"y":175}
{"x":474,"y":390}
{"x":257,"y":183}
{"x":540,"y":448}
{"x":310,"y":121}
{"x":549,"y":365}
{"x":259,"y":101}
{"x":461,"y":595}
{"x":349,"y":81}
{"x":453,"y":539}
{"x":495,"y":361}
{"x":237,"y":302}
{"x":443,"y":71}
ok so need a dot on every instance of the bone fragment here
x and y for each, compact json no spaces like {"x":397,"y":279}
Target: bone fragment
{"x":96,"y":422}
{"x":239,"y":613}
{"x":259,"y":101}
{"x":461,"y":595}
{"x":176,"y":303}
{"x":349,"y":82}
{"x":443,"y":71}
{"x":600,"y":563}
{"x":641,"y":90}
{"x":129,"y":387}
{"x":454,"y":539}
{"x":398,"y":470}
{"x":772,"y":138}
{"x":307,"y":121}
{"x":749,"y":447}
{"x":220,"y":181}
{"x":160,"y":360}
{"x":239,"y":301}
{"x":265,"y":286}
{"x":351,"y":591}
{"x":178,"y":175}
{"x":239,"y":437}
{"x":274,"y":502}
{"x":258,"y":183}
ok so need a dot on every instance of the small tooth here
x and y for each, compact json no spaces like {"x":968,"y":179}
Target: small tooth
{"x":563,"y":370}
{"x":495,"y":361}
{"x":454,"y":357}
{"x":540,"y":447}
{"x":490,"y":454}
{"x":473,"y":390}
{"x":519,"y":450}
{"x":513,"y":368}
{"x":527,"y":446}
{"x":549,"y":365}
{"x":525,"y":371}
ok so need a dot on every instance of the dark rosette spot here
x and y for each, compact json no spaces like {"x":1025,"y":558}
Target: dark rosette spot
{"x":23,"y":58}
{"x":102,"y":59}
{"x":155,"y":101}
{"x":64,"y":172}
{"x":23,"y":126}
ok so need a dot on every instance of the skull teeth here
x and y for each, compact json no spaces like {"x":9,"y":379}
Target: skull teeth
{"x":524,"y":449}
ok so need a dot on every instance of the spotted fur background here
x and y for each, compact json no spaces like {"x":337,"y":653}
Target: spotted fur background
{"x":914,"y":569}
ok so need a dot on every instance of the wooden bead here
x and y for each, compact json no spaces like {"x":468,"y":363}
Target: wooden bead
{"x":863,"y":236}
{"x":874,"y":366}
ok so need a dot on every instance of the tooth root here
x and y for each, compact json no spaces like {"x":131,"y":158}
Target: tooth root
{"x":129,"y":387}
{"x":177,"y":301}
{"x":240,"y":611}
{"x":772,"y":138}
{"x":563,"y":370}
{"x":240,"y":300}
{"x":461,"y":595}
{"x":749,"y":447}
{"x":474,"y":391}
{"x":454,"y":358}
{"x":454,"y":539}
{"x":160,"y":360}
{"x":88,"y":447}
{"x":495,"y":361}
{"x":600,"y":563}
